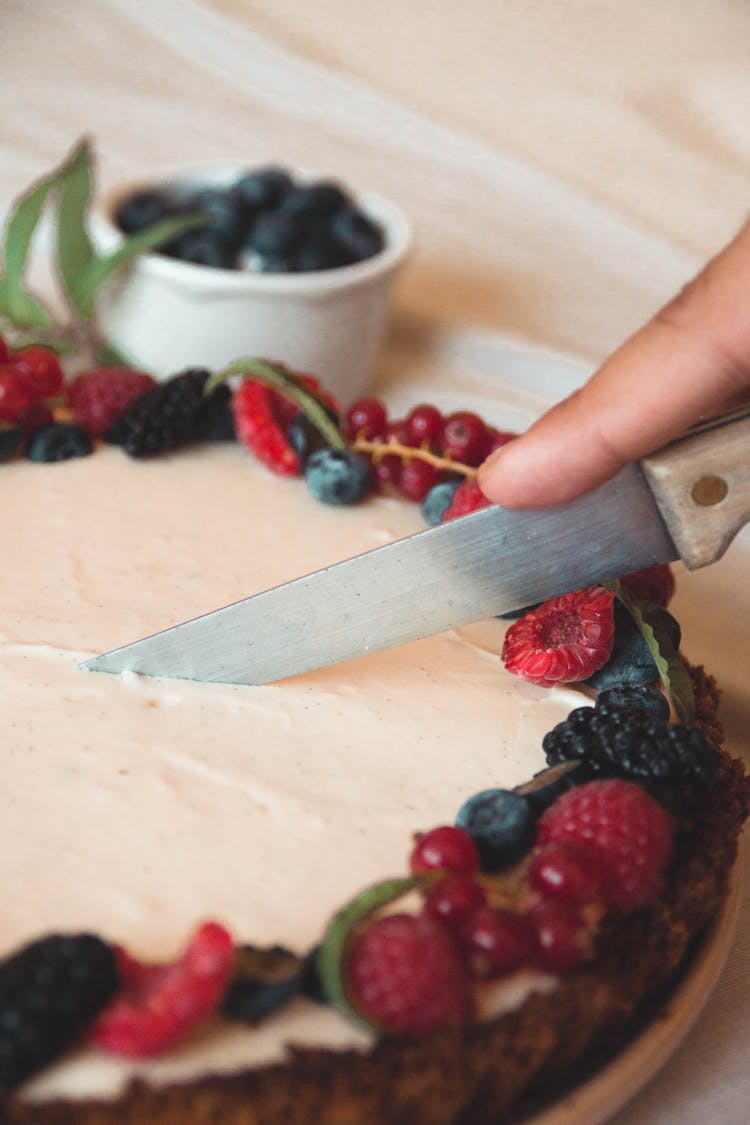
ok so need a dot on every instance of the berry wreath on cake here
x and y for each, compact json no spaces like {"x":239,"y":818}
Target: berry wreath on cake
{"x":424,"y":888}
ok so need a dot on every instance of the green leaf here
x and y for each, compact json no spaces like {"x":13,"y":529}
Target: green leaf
{"x":282,"y":380}
{"x":21,"y":309}
{"x":331,"y":953}
{"x":103,"y":267}
{"x":106,"y":352}
{"x":75,"y":251}
{"x":675,"y":678}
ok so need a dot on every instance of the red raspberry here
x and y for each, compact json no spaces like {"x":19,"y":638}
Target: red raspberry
{"x":566,"y":870}
{"x":627,"y":830}
{"x":365,"y":418}
{"x":160,"y":1004}
{"x":498,"y":942}
{"x":416,"y":479}
{"x":468,"y":497}
{"x":445,"y":848}
{"x":425,"y":425}
{"x":562,"y":940}
{"x":286,"y":410}
{"x":16,"y":396}
{"x":405,"y":974}
{"x":563,"y":640}
{"x":655,"y":584}
{"x":98,"y":397}
{"x":453,"y":900}
{"x":41,"y":369}
{"x":258,"y":415}
{"x":465,"y":437}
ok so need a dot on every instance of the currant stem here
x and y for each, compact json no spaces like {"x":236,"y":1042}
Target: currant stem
{"x":380,"y":449}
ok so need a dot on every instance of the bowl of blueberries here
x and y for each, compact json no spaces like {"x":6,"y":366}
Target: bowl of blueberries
{"x":283,"y":265}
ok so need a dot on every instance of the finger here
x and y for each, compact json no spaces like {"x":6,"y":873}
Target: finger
{"x":692,"y":360}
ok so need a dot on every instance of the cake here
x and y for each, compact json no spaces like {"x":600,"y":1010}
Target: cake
{"x":136,"y":808}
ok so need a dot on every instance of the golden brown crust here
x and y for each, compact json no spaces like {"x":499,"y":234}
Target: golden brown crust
{"x":475,"y":1075}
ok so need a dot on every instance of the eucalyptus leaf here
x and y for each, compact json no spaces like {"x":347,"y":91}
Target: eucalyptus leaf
{"x":75,"y":251}
{"x":23,"y":310}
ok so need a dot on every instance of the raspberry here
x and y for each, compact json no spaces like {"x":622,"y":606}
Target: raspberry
{"x":41,"y":369}
{"x":405,"y":974}
{"x":162,"y":419}
{"x":466,"y":438}
{"x":468,"y":497}
{"x":655,"y":584}
{"x":417,"y":478}
{"x":98,"y":397}
{"x":628,"y":831}
{"x":447,"y":849}
{"x":261,"y":429}
{"x":160,"y":1004}
{"x":498,"y":942}
{"x":50,"y":991}
{"x":16,"y":395}
{"x":365,"y":418}
{"x":564,"y":640}
{"x":425,"y":425}
{"x":453,"y":900}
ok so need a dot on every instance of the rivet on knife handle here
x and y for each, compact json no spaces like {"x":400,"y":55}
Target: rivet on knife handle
{"x":702,"y":486}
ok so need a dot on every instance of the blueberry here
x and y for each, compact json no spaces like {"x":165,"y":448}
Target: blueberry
{"x":320,"y":251}
{"x":630,"y":662}
{"x":224,"y":216}
{"x":202,"y":248}
{"x":142,"y":209}
{"x":501,"y":824}
{"x":317,"y":200}
{"x":276,"y":234}
{"x":59,"y":441}
{"x":263,"y":188}
{"x":11,"y":441}
{"x":547,"y":785}
{"x":338,"y":476}
{"x":357,"y":232}
{"x":304,"y":436}
{"x":438,"y":499}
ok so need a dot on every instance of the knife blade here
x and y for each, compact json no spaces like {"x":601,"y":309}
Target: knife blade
{"x":489,"y":562}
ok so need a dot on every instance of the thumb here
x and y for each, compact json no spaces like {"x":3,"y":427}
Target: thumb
{"x":691,"y":361}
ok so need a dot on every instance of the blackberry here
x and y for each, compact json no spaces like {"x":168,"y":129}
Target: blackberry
{"x":11,"y":440}
{"x":50,"y":991}
{"x":164,"y":418}
{"x":214,"y":420}
{"x":628,"y":697}
{"x":631,"y":742}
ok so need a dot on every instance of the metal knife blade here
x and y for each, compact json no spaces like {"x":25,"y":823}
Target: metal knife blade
{"x":490,"y":562}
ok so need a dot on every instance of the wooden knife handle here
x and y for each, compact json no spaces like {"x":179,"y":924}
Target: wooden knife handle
{"x":702,"y":486}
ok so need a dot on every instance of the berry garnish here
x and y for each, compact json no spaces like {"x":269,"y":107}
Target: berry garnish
{"x":365,"y":418}
{"x":501,"y":824}
{"x":446,"y":849}
{"x":633,"y":698}
{"x":160,"y":1004}
{"x":338,"y":476}
{"x":260,"y":429}
{"x":498,"y":942}
{"x":263,"y":981}
{"x":465,"y":438}
{"x":59,"y":441}
{"x":98,"y":397}
{"x":41,"y":370}
{"x":437,"y":500}
{"x":11,"y":442}
{"x":4,"y":350}
{"x":387,"y":471}
{"x":50,"y":991}
{"x":564,"y":640}
{"x":453,"y":900}
{"x":467,"y":498}
{"x":405,"y":974}
{"x":416,"y":479}
{"x":655,"y":584}
{"x":629,"y":832}
{"x":16,"y":395}
{"x":566,"y":870}
{"x":163,"y":418}
{"x":563,"y":942}
{"x":424,"y":425}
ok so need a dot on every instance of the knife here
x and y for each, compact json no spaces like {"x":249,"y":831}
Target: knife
{"x":687,"y":501}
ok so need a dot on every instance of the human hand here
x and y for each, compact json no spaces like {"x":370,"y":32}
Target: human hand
{"x":691,"y":361}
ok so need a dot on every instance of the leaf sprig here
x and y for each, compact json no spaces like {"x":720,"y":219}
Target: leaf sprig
{"x":80,"y":267}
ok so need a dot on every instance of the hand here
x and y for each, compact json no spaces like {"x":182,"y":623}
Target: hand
{"x":691,"y":361}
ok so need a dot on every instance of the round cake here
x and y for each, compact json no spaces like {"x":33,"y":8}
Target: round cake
{"x":137,"y":809}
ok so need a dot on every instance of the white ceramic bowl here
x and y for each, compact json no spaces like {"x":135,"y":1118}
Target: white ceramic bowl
{"x":165,"y":315}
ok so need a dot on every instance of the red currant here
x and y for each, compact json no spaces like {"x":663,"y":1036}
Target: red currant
{"x":41,"y":369}
{"x":388,"y":471}
{"x":417,"y":478}
{"x":447,"y":849}
{"x":15,"y":394}
{"x":425,"y":425}
{"x":453,"y":899}
{"x":398,"y":431}
{"x":4,"y":350}
{"x":365,"y":418}
{"x":466,"y":437}
{"x":498,"y":942}
{"x":566,"y":870}
{"x":561,"y":938}
{"x":499,"y":438}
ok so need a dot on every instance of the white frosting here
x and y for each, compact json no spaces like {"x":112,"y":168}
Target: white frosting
{"x":136,"y":807}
